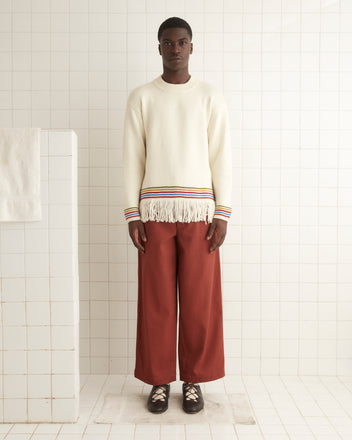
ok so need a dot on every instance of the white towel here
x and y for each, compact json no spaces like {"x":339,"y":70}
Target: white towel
{"x":20,"y":174}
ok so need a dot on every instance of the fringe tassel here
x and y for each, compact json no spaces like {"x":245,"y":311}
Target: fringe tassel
{"x":177,"y":210}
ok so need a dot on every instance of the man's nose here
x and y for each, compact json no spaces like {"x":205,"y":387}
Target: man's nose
{"x":176,"y":48}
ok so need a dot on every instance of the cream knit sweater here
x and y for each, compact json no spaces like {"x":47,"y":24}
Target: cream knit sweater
{"x":177,"y":153}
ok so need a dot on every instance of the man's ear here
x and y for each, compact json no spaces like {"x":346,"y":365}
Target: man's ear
{"x":159,"y":49}
{"x":191,"y":51}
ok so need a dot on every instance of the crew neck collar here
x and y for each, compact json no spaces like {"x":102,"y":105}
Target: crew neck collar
{"x":177,"y":88}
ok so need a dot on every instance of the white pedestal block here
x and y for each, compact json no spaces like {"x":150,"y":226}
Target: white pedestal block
{"x":39,"y":343}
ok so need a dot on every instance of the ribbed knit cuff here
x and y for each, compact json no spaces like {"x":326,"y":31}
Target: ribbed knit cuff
{"x":222,"y":212}
{"x":132,"y":214}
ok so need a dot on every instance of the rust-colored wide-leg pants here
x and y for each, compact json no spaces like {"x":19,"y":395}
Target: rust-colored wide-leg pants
{"x":179,"y":252}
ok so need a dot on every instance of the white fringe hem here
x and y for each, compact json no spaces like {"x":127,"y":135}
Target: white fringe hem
{"x":177,"y":210}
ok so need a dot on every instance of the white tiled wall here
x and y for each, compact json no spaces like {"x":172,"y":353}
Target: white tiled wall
{"x":39,"y":363}
{"x":285,"y":69}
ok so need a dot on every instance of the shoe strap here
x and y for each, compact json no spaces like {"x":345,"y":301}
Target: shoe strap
{"x":159,"y":393}
{"x":191,"y":391}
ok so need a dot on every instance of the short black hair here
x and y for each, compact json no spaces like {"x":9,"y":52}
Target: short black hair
{"x":174,"y":22}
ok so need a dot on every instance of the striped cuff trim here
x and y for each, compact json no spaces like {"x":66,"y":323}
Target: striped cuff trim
{"x":224,"y":211}
{"x":131,"y":213}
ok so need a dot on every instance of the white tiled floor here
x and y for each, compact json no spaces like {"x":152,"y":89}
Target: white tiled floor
{"x":285,"y":408}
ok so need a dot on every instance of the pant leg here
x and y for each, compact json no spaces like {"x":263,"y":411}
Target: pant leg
{"x":201,"y":346}
{"x":157,"y":306}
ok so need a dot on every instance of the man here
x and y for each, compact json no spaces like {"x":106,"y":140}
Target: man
{"x":177,"y":171}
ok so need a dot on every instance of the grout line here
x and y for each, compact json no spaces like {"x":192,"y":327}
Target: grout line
{"x":337,"y":260}
{"x":89,"y":336}
{"x":89,"y":419}
{"x":69,"y":76}
{"x":318,"y":226}
{"x":241,"y":148}
{"x":2,"y":334}
{"x":49,"y":221}
{"x":316,"y":208}
{"x":31,"y":66}
{"x":279,"y":266}
{"x":1,"y":275}
{"x":294,"y":401}
{"x":316,"y":400}
{"x":343,"y":384}
{"x":279,"y":378}
{"x":250,"y":403}
{"x":299,"y":190}
{"x":108,"y":188}
{"x":26,"y":329}
{"x":12,"y":66}
{"x":261,"y":342}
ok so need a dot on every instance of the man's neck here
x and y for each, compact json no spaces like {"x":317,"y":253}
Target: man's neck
{"x":179,"y":77}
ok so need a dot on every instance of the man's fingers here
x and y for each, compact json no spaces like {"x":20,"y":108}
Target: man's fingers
{"x":217,"y":244}
{"x":217,"y":231}
{"x":211,"y":231}
{"x":137,"y":234}
{"x":142,"y":232}
{"x":136,"y":240}
{"x":138,"y":245}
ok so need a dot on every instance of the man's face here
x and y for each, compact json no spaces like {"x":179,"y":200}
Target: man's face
{"x":175,"y":48}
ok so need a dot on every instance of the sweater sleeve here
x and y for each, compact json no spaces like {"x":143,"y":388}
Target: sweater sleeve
{"x":220,"y":158}
{"x":133,"y":160}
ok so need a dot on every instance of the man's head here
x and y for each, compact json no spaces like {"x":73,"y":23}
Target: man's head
{"x":175,"y":43}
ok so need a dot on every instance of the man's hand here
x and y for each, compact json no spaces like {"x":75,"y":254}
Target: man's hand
{"x":216,"y":232}
{"x":137,"y":234}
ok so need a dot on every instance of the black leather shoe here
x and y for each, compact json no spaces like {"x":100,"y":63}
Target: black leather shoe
{"x":158,"y":398}
{"x":192,"y":398}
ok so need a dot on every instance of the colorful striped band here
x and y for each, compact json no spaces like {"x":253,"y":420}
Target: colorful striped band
{"x":176,"y":192}
{"x":224,"y":211}
{"x":131,"y":213}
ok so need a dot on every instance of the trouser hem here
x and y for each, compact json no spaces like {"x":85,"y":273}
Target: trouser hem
{"x":196,"y":379}
{"x":155,"y":381}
